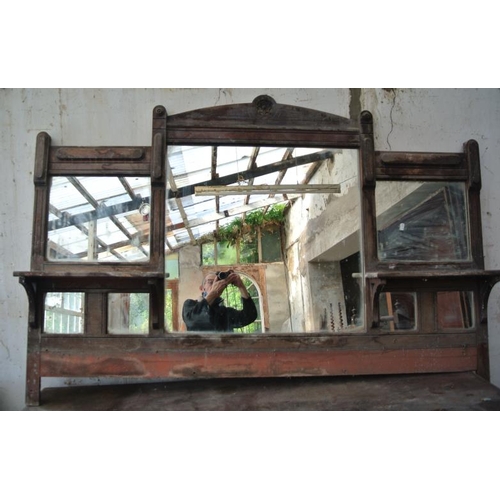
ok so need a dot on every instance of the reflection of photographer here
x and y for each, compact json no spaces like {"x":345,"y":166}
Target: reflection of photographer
{"x":209,"y":314}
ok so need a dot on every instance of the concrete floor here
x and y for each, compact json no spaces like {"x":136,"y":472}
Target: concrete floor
{"x":429,"y":392}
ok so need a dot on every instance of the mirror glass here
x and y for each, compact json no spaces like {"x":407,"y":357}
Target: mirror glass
{"x":128,"y":313}
{"x":397,"y":311}
{"x":99,"y":219}
{"x":64,"y":312}
{"x":455,"y":310}
{"x":422,"y":221}
{"x":286,"y":220}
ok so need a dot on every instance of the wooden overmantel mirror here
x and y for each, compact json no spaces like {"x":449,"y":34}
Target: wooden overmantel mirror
{"x":357,"y":261}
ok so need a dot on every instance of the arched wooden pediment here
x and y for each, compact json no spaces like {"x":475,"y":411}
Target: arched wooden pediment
{"x":262,"y":121}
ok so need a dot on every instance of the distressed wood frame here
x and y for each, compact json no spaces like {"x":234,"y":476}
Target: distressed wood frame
{"x":163,"y":355}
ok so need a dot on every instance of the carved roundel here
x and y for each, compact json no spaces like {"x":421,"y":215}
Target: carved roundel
{"x":264,"y":104}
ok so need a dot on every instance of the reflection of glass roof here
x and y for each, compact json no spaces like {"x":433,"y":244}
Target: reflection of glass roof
{"x":98,"y":219}
{"x":191,"y":216}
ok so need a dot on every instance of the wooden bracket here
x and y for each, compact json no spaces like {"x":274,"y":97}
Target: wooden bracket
{"x":31,"y":292}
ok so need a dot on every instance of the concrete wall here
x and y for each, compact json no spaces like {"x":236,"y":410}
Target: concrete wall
{"x":321,"y":230}
{"x":277,"y":296}
{"x":405,"y":119}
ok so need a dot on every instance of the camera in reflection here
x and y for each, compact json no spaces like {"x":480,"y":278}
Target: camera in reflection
{"x":222,"y":275}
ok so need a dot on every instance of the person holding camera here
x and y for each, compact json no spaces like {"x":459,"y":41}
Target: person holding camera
{"x":208,"y":312}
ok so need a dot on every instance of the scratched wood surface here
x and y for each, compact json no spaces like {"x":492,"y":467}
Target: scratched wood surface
{"x":429,"y":392}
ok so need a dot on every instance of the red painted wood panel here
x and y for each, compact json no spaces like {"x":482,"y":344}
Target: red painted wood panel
{"x":147,"y":365}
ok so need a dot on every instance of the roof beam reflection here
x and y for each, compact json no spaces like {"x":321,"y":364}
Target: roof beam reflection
{"x":251,"y":174}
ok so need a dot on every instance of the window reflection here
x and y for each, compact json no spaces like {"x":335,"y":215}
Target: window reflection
{"x":64,"y":312}
{"x":232,"y":299}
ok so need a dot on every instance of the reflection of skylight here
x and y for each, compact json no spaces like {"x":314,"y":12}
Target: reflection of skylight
{"x":113,"y":202}
{"x":192,"y":165}
{"x":98,"y":216}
